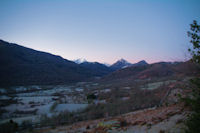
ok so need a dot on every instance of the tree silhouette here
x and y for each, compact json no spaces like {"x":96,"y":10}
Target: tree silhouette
{"x":194,"y":34}
{"x":193,"y":122}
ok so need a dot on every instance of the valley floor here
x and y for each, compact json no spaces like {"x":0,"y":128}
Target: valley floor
{"x":142,"y":106}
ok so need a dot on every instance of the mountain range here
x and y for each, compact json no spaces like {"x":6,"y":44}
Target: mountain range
{"x":154,"y":71}
{"x":122,"y":63}
{"x":119,"y":64}
{"x":26,"y":66}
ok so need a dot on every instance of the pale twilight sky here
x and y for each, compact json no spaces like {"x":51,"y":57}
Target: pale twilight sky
{"x":101,"y":30}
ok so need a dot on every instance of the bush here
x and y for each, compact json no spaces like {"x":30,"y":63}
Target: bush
{"x":27,"y":124}
{"x":91,"y":96}
{"x":9,"y":127}
{"x":193,"y":122}
{"x":53,"y":107}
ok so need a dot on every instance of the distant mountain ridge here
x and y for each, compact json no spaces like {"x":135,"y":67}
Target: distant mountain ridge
{"x":98,"y":68}
{"x":156,"y":70}
{"x":122,"y":63}
{"x":140,"y":63}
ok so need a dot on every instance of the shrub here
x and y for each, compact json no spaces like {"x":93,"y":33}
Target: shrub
{"x":9,"y":127}
{"x":193,"y":121}
{"x":53,"y":107}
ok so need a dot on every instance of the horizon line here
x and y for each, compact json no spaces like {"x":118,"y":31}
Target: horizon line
{"x":105,"y":63}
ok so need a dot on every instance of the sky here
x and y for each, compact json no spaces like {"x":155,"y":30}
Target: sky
{"x":101,"y":30}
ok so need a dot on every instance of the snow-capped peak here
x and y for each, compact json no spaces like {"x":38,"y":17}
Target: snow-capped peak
{"x":123,"y":61}
{"x":80,"y":60}
{"x":120,"y":64}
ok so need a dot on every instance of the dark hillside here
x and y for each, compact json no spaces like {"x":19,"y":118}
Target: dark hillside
{"x":157,"y":70}
{"x":25,"y":66}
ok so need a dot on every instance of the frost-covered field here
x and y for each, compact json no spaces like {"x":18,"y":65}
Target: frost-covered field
{"x":155,"y":85}
{"x":23,"y":103}
{"x":30,"y":102}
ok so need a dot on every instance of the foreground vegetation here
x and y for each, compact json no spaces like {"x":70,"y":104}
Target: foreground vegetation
{"x":193,"y":122}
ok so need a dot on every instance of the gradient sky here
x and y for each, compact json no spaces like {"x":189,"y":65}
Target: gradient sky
{"x":101,"y":30}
